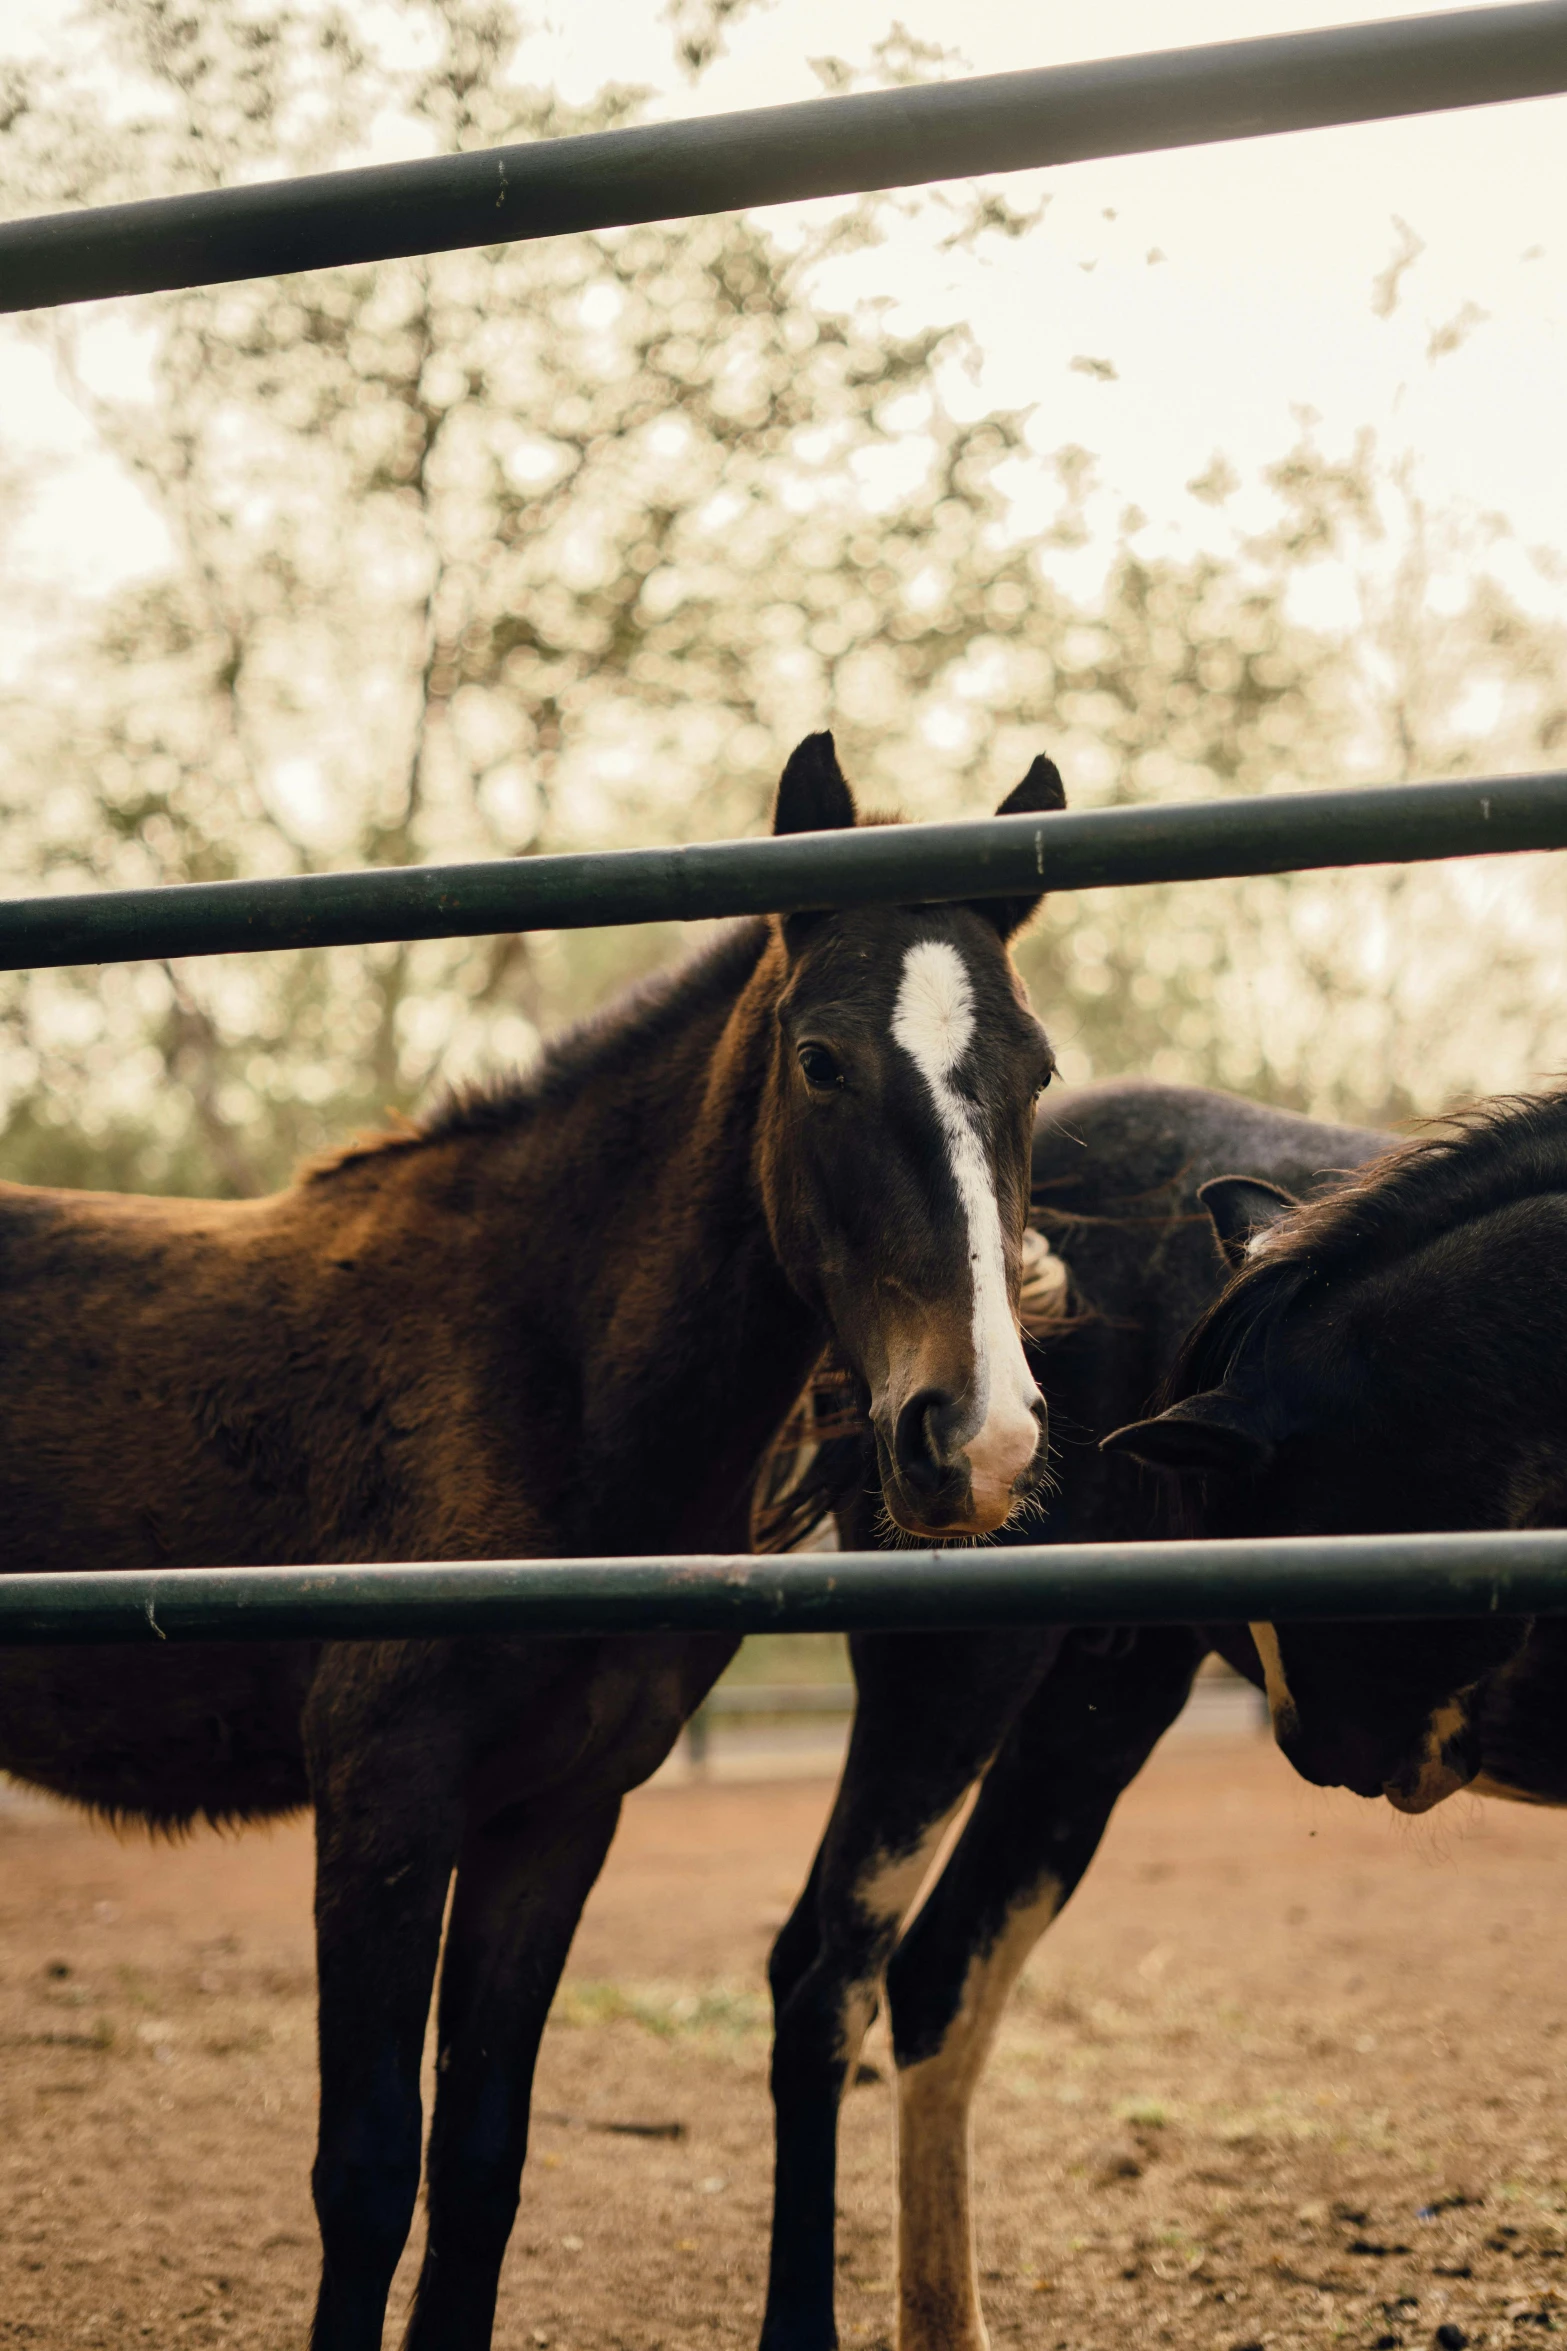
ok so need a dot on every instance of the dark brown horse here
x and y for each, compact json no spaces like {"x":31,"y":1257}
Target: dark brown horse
{"x":565,"y":1317}
{"x":1394,"y":1359}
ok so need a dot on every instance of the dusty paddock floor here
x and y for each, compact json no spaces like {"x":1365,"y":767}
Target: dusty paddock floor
{"x":1288,"y":2072}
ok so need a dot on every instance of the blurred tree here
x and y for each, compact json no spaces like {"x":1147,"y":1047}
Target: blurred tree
{"x":484,"y":553}
{"x":699,"y":27}
{"x":1363,"y":994}
{"x":564,"y":544}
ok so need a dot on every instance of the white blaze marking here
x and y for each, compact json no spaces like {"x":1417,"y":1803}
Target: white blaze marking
{"x":933,"y":1021}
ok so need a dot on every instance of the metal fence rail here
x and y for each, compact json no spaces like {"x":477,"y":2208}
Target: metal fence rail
{"x":774,"y":154}
{"x":1290,"y":1577}
{"x":1006,"y":122}
{"x":1076,"y":850}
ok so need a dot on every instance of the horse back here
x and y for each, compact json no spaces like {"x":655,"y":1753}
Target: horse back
{"x":228,"y":1383}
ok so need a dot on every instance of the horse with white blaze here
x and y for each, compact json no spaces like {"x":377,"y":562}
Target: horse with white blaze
{"x":566,"y":1316}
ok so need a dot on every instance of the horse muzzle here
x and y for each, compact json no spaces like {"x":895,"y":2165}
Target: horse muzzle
{"x":942,"y":1476}
{"x":1447,"y":1759}
{"x":1414,"y":1778}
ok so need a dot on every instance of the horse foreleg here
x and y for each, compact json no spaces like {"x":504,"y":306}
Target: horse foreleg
{"x":521,"y":1882}
{"x":388,"y":1819}
{"x":1041,"y":1812}
{"x":930,"y":1713}
{"x":542,"y":1812}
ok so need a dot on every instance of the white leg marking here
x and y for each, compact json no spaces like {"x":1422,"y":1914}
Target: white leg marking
{"x":938,"y":2271}
{"x":933,"y":1021}
{"x":887,"y":1893}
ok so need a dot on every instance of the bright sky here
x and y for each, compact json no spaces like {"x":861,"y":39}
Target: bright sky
{"x":1260,"y":306}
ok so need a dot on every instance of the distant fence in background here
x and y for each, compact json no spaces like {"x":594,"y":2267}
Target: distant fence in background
{"x":753,"y":1703}
{"x":736,"y":1718}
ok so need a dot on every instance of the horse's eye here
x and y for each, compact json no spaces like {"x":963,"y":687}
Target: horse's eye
{"x":821,"y":1070}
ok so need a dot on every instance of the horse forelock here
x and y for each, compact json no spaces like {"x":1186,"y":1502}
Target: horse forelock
{"x":1467,"y":1164}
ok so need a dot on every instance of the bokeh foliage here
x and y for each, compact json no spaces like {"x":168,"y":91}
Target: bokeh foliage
{"x":564,"y":544}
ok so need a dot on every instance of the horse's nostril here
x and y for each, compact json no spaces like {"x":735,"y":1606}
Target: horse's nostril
{"x":922,"y":1438}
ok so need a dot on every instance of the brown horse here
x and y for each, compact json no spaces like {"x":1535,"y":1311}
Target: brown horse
{"x":566,"y":1317}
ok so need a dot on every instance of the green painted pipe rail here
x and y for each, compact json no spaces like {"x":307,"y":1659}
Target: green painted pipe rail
{"x":776,"y":154}
{"x":1284,"y":1578}
{"x":1077,"y":850}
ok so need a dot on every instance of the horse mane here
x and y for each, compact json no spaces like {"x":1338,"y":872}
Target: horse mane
{"x":635,"y":1020}
{"x":639,"y":1016}
{"x":1465,"y":1164}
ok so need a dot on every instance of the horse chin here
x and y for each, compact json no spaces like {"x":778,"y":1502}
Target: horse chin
{"x":1448,"y":1761}
{"x":991,"y":1509}
{"x":968,"y":1523}
{"x":952,"y":1531}
{"x":972,"y":1510}
{"x":1433,"y":1787}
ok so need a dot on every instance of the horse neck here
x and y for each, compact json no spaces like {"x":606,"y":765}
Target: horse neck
{"x":1477,"y":1321}
{"x":687,"y":1343}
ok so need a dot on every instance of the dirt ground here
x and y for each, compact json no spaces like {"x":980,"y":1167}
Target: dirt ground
{"x":1289,"y":2071}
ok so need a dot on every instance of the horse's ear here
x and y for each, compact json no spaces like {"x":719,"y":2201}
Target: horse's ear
{"x":812,"y":794}
{"x":1041,"y":793}
{"x":1218,"y":1433}
{"x":1239,"y":1209}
